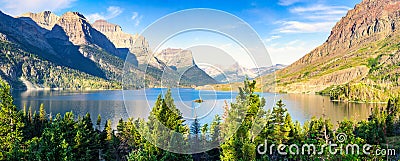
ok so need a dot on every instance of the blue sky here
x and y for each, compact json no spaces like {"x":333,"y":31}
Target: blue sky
{"x":289,"y":28}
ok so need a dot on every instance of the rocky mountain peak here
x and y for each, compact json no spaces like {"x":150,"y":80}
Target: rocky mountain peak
{"x":118,"y":37}
{"x":77,"y":29}
{"x":45,"y":19}
{"x":370,"y":18}
{"x":104,"y":26}
{"x":369,"y":21}
{"x":74,"y":15}
{"x":135,"y":43}
{"x":368,"y":31}
{"x":176,"y":58}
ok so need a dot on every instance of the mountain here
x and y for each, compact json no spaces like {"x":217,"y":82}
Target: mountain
{"x":177,"y":59}
{"x":74,"y":48}
{"x":182,"y":61}
{"x":360,"y":60}
{"x":82,"y":47}
{"x":79,"y":31}
{"x":45,"y":20}
{"x":238,"y":73}
{"x":24,"y":70}
{"x":173,"y":64}
{"x":135,"y":44}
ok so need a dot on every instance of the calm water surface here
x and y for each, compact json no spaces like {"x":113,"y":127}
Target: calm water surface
{"x":138,"y":103}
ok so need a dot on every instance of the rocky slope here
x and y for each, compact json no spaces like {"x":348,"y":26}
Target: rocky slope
{"x":178,"y":59}
{"x":369,"y":21}
{"x":72,"y":44}
{"x":360,"y":44}
{"x":79,"y":31}
{"x":183,"y":63}
{"x":171,"y":63}
{"x":24,"y":70}
{"x":123,"y":40}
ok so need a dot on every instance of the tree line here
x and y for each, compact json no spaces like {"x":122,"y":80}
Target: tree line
{"x":237,"y":134}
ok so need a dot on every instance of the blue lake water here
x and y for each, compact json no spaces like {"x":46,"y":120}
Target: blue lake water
{"x":116,"y":104}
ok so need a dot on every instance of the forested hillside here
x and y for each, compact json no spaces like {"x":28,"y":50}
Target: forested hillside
{"x":21,"y":68}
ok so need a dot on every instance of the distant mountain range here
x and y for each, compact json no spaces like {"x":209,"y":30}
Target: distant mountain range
{"x":238,"y":73}
{"x":43,"y":50}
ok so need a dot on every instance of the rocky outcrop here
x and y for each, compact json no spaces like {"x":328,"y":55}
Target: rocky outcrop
{"x":26,"y":34}
{"x":117,"y":36}
{"x":45,"y":19}
{"x":135,"y":43}
{"x":176,"y":65}
{"x":76,"y":28}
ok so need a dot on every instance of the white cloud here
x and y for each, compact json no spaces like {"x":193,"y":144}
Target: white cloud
{"x":112,"y":11}
{"x":134,"y":15}
{"x":322,"y":12}
{"x":320,"y":7}
{"x":137,"y":18}
{"x":269,"y":39}
{"x":18,"y":7}
{"x":315,"y":18}
{"x":305,"y":27}
{"x":288,"y":2}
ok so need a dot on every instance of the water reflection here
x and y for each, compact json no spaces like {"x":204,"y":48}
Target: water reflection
{"x":111,"y":105}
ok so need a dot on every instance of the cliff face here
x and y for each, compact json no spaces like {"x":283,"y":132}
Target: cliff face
{"x":176,"y":58}
{"x":368,"y":31}
{"x":79,"y":32}
{"x":45,"y":19}
{"x":117,"y":36}
{"x":175,"y":62}
{"x":135,"y":43}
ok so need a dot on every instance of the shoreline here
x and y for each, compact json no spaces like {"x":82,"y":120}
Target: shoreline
{"x":31,"y":87}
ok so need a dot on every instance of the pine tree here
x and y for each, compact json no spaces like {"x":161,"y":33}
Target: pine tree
{"x":109,"y":130}
{"x":111,"y":143}
{"x":86,"y":139}
{"x":241,"y":143}
{"x":98,"y":122}
{"x":42,"y":114}
{"x":195,"y":128}
{"x":279,"y":124}
{"x":164,"y":119}
{"x":195,"y":131}
{"x":11,"y":125}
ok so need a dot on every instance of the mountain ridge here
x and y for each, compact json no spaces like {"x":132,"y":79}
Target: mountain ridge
{"x":359,"y":45}
{"x":71,"y":41}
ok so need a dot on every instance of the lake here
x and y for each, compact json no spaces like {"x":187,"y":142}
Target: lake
{"x":110,"y":104}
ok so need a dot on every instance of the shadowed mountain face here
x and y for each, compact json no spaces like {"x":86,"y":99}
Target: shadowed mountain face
{"x":182,"y":62}
{"x":177,"y":65}
{"x":70,"y":41}
{"x":362,"y":51}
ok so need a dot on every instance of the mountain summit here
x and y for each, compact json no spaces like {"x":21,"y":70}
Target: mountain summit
{"x":362,"y":52}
